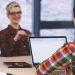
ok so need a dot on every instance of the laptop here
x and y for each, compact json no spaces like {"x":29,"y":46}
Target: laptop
{"x":43,"y":47}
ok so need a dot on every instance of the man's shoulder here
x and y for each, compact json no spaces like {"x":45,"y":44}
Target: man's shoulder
{"x":4,"y":31}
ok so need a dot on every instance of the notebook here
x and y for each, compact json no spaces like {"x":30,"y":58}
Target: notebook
{"x":42,"y":48}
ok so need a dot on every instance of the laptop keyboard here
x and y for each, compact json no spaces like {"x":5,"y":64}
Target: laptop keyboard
{"x":17,"y":64}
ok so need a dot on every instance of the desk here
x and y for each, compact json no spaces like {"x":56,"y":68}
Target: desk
{"x":20,"y":71}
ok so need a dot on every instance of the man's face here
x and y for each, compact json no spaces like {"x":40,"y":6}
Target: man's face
{"x":15,"y":15}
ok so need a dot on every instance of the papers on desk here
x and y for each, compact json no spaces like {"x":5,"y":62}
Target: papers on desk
{"x":3,"y":73}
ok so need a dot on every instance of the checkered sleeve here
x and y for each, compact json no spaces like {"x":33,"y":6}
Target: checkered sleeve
{"x":61,"y":57}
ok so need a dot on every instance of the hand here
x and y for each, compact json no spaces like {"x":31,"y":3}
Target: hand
{"x":19,"y":35}
{"x":30,"y":35}
{"x":35,"y":74}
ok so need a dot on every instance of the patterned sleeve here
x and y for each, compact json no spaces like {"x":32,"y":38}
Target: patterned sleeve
{"x":61,"y":57}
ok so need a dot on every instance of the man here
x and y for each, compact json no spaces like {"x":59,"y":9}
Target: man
{"x":62,"y":57}
{"x":14,"y":39}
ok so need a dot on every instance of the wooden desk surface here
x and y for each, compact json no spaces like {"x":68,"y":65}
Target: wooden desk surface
{"x":20,"y":71}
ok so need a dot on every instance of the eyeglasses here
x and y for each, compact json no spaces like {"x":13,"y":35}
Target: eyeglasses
{"x":14,"y":13}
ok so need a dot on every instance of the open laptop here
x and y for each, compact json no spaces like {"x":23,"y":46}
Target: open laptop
{"x":43,"y":47}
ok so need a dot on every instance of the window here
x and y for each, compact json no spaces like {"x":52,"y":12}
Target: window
{"x":68,"y":32}
{"x":56,"y":18}
{"x":56,"y":10}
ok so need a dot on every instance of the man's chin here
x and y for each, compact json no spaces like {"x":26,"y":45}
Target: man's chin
{"x":15,"y":23}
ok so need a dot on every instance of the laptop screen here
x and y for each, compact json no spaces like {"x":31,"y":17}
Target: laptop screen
{"x":43,"y":47}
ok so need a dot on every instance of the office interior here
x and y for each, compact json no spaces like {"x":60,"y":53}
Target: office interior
{"x":44,"y":17}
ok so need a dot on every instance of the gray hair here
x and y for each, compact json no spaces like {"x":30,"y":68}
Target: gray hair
{"x":11,"y":5}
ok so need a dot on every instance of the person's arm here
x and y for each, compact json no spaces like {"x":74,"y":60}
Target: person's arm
{"x":22,"y":33}
{"x":8,"y":42}
{"x":61,"y":57}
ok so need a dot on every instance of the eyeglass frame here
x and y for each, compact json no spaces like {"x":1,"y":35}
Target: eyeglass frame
{"x":14,"y":13}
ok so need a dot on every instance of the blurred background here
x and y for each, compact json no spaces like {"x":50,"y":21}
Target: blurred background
{"x":43,"y":17}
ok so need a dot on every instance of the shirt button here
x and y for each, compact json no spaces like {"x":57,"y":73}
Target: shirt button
{"x":11,"y":48}
{"x":25,"y":52}
{"x":24,"y":46}
{"x":22,"y":40}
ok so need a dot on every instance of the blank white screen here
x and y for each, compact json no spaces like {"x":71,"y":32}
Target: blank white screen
{"x":43,"y":48}
{"x":3,"y":73}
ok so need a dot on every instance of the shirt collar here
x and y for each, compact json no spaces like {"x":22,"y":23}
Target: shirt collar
{"x":12,"y":30}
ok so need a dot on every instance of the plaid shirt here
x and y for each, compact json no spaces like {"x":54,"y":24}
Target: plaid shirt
{"x":61,"y":57}
{"x":11,"y":48}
